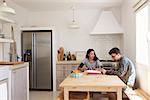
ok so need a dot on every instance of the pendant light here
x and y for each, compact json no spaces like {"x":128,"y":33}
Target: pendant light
{"x":74,"y":24}
{"x":5,"y":9}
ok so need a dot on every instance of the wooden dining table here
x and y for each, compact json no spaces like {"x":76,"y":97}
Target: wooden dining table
{"x":93,"y":83}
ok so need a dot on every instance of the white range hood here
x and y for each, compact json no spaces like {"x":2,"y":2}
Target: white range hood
{"x":107,"y":24}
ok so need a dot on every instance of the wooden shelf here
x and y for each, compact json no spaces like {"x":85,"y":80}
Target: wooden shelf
{"x":3,"y":40}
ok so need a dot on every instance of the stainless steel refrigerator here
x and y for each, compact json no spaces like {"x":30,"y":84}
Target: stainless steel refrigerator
{"x":37,"y":50}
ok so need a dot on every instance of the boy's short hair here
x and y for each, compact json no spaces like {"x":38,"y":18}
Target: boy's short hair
{"x":114,"y":50}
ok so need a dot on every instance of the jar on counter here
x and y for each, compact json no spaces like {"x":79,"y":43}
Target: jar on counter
{"x":69,"y":56}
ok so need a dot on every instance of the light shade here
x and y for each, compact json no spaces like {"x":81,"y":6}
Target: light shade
{"x":74,"y":25}
{"x":5,"y":9}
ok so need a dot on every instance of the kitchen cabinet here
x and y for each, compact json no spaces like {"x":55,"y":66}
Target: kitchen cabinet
{"x":4,"y":74}
{"x":19,"y":88}
{"x":19,"y":82}
{"x":3,"y":91}
{"x":63,"y":69}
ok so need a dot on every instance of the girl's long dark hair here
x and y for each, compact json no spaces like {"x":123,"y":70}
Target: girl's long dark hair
{"x":88,"y":52}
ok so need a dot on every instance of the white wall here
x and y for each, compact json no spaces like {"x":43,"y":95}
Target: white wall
{"x":128,"y":23}
{"x":78,"y":39}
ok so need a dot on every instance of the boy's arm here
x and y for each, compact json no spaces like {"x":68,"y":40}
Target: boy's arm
{"x":125,"y":66}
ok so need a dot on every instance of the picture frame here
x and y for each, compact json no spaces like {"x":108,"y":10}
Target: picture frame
{"x":80,"y":55}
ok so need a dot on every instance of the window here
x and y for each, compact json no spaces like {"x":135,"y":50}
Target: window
{"x":143,"y":36}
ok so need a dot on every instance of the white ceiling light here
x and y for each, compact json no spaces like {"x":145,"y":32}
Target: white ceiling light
{"x":5,"y":9}
{"x":74,"y":24}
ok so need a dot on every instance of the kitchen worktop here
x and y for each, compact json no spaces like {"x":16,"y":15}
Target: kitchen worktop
{"x":78,"y":62}
{"x":15,"y":66}
{"x":10,"y":63}
{"x":4,"y":69}
{"x":68,"y":62}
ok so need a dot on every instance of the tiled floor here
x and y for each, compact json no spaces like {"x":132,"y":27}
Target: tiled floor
{"x":43,"y":95}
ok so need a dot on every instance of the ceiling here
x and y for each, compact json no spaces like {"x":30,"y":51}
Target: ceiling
{"x":46,"y":5}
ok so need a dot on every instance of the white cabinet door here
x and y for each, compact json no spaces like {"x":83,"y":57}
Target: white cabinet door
{"x":19,"y":84}
{"x":3,"y":90}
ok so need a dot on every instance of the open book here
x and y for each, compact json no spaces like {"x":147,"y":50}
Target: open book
{"x":92,"y":72}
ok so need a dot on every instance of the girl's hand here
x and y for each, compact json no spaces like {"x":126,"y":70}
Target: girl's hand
{"x":83,"y":69}
{"x":93,"y":68}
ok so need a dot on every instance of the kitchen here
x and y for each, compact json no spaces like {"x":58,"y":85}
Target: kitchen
{"x":118,"y":29}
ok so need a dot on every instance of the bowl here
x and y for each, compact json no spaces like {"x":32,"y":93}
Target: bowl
{"x":76,"y":75}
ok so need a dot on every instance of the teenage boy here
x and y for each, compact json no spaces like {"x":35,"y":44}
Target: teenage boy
{"x":126,"y":70}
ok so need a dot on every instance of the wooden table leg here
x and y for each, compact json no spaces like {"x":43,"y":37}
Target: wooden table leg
{"x":88,"y":95}
{"x":119,"y":94}
{"x":66,"y":94}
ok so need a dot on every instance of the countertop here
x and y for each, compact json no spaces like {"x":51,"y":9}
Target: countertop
{"x":68,"y":62}
{"x":78,"y":62}
{"x":10,"y":63}
{"x":11,"y":67}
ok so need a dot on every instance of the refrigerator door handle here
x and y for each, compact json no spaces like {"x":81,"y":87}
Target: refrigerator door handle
{"x":33,"y":61}
{"x":32,"y":79}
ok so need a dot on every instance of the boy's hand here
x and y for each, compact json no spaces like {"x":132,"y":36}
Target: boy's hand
{"x":103,"y":71}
